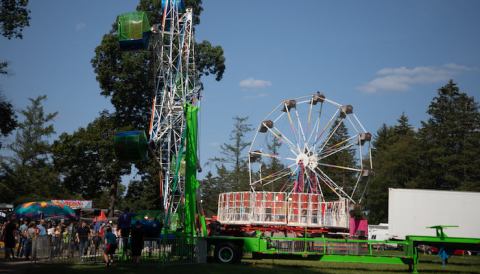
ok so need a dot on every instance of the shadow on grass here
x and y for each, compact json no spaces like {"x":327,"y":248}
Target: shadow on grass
{"x":249,"y":267}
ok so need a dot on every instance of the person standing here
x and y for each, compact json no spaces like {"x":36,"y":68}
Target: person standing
{"x":23,"y":236}
{"x":110,"y":246}
{"x":29,"y":237}
{"x":124,"y":224}
{"x":41,"y":230}
{"x":83,"y":234}
{"x":9,"y":238}
{"x":41,"y":240}
{"x":137,"y":241}
{"x":70,"y":238}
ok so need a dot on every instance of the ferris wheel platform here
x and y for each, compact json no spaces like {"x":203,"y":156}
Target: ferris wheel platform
{"x":301,"y":210}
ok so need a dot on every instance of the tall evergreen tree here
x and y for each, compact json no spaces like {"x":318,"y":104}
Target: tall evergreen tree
{"x":233,"y":155}
{"x":450,"y":142}
{"x":395,"y":163}
{"x":29,"y":173}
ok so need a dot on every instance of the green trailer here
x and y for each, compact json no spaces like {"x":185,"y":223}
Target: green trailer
{"x":230,"y":249}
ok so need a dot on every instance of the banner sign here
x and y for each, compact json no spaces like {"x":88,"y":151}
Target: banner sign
{"x":75,"y":204}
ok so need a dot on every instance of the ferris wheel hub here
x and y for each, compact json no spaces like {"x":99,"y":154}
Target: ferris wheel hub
{"x":307,"y":159}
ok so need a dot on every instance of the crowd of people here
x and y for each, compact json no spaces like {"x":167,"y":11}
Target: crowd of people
{"x":23,"y":238}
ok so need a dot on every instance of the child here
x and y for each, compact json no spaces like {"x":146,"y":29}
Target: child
{"x":110,"y":246}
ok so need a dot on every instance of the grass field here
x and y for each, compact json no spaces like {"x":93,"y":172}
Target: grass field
{"x":428,"y":264}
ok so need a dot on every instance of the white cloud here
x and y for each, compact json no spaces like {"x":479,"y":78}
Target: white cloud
{"x":402,"y":78}
{"x":80,"y":26}
{"x":251,"y":83}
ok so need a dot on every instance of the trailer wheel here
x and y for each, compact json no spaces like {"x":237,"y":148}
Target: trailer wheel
{"x":227,"y":253}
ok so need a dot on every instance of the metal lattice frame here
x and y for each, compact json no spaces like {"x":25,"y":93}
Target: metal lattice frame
{"x":305,"y":127}
{"x":175,"y":85}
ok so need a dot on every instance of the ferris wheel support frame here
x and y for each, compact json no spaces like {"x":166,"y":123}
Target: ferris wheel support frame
{"x":175,"y":86}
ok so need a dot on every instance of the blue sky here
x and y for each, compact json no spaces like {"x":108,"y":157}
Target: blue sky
{"x":383,"y":57}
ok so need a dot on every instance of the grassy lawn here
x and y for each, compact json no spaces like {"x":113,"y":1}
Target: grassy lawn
{"x":428,"y":264}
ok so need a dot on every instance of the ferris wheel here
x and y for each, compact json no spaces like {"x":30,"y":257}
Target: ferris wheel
{"x":175,"y":86}
{"x":312,"y":145}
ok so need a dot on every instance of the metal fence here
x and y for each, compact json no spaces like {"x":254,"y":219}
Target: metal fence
{"x":335,"y":246}
{"x":166,"y":251}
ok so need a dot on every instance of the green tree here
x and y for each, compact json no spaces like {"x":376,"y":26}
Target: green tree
{"x":395,"y":162}
{"x":14,"y":16}
{"x":87,"y":162}
{"x":3,"y":67}
{"x":211,"y":187}
{"x":232,"y":157}
{"x":144,"y":193}
{"x":29,"y":173}
{"x":8,"y":120}
{"x":450,"y":142}
{"x":127,"y":77}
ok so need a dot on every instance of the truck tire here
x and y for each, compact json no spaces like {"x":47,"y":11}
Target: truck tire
{"x":227,"y":253}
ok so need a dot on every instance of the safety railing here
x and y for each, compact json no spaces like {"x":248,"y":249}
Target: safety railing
{"x":164,"y":250}
{"x":328,"y":246}
{"x":281,"y":208}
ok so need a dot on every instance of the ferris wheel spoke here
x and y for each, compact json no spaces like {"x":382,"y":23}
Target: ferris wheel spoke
{"x":274,"y":156}
{"x":301,"y":129}
{"x":287,"y":169}
{"x":309,"y":118}
{"x":360,"y":152}
{"x":277,"y":133}
{"x":353,"y":125}
{"x":356,"y":184}
{"x":340,"y":167}
{"x":318,"y":138}
{"x":292,"y":126}
{"x":370,"y":157}
{"x":331,"y":134}
{"x":277,"y":178}
{"x":337,"y":189}
{"x":358,"y":121}
{"x":364,"y":190}
{"x":316,"y":126}
{"x":330,"y":153}
{"x":342,"y":142}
